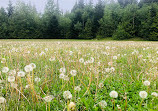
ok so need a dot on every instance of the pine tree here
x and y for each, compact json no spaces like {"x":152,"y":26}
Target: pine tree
{"x":98,"y":14}
{"x":10,"y":9}
{"x":126,"y":2}
{"x":87,"y":32}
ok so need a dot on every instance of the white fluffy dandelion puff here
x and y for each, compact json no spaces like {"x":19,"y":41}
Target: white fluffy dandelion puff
{"x":113,"y":94}
{"x":67,"y":95}
{"x":143,"y":94}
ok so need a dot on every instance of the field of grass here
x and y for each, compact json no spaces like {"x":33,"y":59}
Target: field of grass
{"x":61,"y":75}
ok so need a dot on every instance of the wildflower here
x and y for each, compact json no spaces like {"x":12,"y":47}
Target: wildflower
{"x":46,"y":49}
{"x":112,"y":69}
{"x":67,"y":95}
{"x":91,"y":60}
{"x":52,"y":59}
{"x":28,"y":68}
{"x":48,"y":98}
{"x":37,"y":79}
{"x":114,"y":57}
{"x":2,"y":100}
{"x":42,"y":53}
{"x":12,"y":72}
{"x":101,"y":85}
{"x":27,"y":86}
{"x":73,"y":72}
{"x":33,"y":65}
{"x":5,"y":69}
{"x":3,"y":60}
{"x":146,"y":83}
{"x":72,"y":106}
{"x":21,"y":74}
{"x":11,"y":78}
{"x":102,"y":104}
{"x":61,"y":76}
{"x":113,"y":94}
{"x":107,"y":70}
{"x":154,"y":94}
{"x":118,"y":106}
{"x":81,"y":60}
{"x":66,"y":78}
{"x":62,"y":70}
{"x":143,"y":94}
{"x":77,"y":88}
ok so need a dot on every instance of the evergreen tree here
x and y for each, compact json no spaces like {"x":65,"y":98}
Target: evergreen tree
{"x":3,"y":23}
{"x":98,"y":14}
{"x":10,"y":9}
{"x":126,"y":2}
{"x":87,"y":32}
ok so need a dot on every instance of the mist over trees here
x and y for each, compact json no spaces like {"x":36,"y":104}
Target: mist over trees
{"x":118,"y":19}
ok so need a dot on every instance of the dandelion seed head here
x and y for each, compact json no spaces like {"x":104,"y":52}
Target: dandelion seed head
{"x":48,"y":98}
{"x":143,"y":94}
{"x":113,"y":94}
{"x":67,"y":95}
{"x":2,"y":100}
{"x":102,"y":104}
{"x":5,"y":69}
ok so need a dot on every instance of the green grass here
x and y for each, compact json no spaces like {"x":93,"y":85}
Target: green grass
{"x":130,"y":63}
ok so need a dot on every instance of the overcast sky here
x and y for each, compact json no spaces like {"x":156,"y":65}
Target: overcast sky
{"x":40,"y":4}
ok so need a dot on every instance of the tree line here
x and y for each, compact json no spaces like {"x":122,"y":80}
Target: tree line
{"x":118,"y":19}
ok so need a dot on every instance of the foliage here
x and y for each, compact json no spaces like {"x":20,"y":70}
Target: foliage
{"x":85,"y":21}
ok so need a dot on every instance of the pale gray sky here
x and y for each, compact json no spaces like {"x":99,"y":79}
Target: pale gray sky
{"x":40,"y":4}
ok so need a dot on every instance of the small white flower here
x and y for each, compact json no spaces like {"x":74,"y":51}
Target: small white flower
{"x":77,"y":88}
{"x":2,"y":100}
{"x":114,"y":57}
{"x":91,"y":60}
{"x":146,"y":83}
{"x":33,"y":65}
{"x":107,"y":70}
{"x":66,"y":78}
{"x":12,"y":72}
{"x":112,"y":69}
{"x":72,"y":106}
{"x":154,"y":94}
{"x":42,"y":53}
{"x":143,"y":94}
{"x":62,"y":70}
{"x":73,"y":72}
{"x":27,"y":86}
{"x":37,"y":79}
{"x":21,"y":74}
{"x":102,"y":104}
{"x":11,"y":78}
{"x":67,"y":95}
{"x":5,"y":69}
{"x":3,"y":60}
{"x":52,"y":59}
{"x":61,"y":76}
{"x":46,"y":49}
{"x":48,"y":98}
{"x":28,"y":68}
{"x":101,"y":85}
{"x":113,"y":94}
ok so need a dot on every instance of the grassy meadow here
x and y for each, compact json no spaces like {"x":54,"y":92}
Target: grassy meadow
{"x":67,"y":75}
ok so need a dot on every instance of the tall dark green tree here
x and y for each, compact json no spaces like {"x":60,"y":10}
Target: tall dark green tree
{"x":10,"y":9}
{"x":3,"y":23}
{"x":98,"y":14}
{"x":126,"y":2}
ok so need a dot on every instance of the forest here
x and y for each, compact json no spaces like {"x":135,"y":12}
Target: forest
{"x":116,"y":19}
